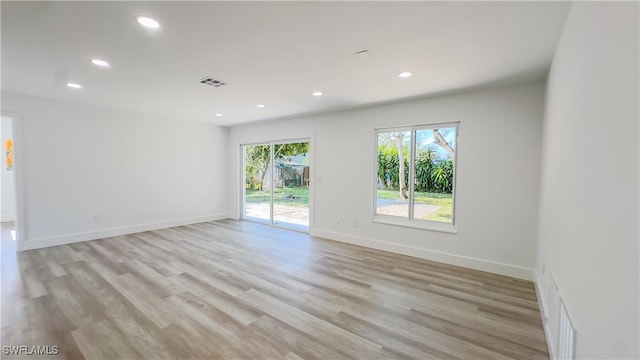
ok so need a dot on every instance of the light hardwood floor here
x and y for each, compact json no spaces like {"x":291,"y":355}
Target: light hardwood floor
{"x":239,"y":290}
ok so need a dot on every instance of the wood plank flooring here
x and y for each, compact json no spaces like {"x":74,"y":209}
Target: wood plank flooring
{"x":239,"y":290}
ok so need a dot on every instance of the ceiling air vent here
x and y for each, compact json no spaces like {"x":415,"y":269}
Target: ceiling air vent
{"x":212,"y":82}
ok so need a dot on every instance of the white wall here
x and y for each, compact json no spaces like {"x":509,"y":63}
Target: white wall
{"x":7,"y":182}
{"x":92,"y":172}
{"x":497,"y":179}
{"x":588,"y":233}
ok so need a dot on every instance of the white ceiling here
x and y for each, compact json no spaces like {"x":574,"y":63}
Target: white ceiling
{"x":273,"y":53}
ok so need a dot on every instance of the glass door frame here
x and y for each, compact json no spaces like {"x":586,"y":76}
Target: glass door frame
{"x":243,"y":179}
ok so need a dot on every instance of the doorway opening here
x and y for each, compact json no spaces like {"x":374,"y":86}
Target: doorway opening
{"x":275,"y":183}
{"x":8,"y":213}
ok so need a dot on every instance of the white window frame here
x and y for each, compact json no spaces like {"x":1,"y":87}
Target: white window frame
{"x":410,"y":221}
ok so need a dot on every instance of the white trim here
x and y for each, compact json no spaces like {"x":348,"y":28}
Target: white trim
{"x":243,"y":190}
{"x":272,"y":186}
{"x":544,"y":315}
{"x":412,"y":173}
{"x":455,"y":174}
{"x":374,"y":189}
{"x":541,"y":299}
{"x":125,"y":230}
{"x":427,"y":126}
{"x":416,"y":223}
{"x":312,"y":181}
{"x":452,"y":259}
{"x":18,"y":177}
{"x":412,"y":129}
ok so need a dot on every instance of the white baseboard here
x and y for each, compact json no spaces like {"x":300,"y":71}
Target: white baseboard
{"x":101,"y":234}
{"x":453,"y":259}
{"x":544,"y":316}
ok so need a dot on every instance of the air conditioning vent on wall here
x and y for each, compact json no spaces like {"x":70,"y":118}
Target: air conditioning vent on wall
{"x":562,"y":334}
{"x":213,"y":82}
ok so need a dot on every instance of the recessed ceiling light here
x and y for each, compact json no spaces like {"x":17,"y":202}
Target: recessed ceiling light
{"x":74,"y":85}
{"x":260,"y":105}
{"x":218,"y":114}
{"x":100,"y":63}
{"x":148,"y":22}
{"x":317,"y":93}
{"x":405,"y":74}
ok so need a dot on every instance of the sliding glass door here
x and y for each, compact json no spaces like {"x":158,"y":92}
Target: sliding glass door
{"x":257,"y":182}
{"x":291,"y":184}
{"x":276,"y":183}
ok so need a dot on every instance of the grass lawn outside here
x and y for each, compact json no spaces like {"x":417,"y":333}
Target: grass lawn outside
{"x":299,"y":197}
{"x":293,"y":196}
{"x":444,"y":202}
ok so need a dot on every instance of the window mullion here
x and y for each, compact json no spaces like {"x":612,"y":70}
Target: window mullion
{"x":411,"y":180}
{"x":273,"y":171}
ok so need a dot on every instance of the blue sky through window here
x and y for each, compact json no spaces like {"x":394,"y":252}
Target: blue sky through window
{"x":425,"y":138}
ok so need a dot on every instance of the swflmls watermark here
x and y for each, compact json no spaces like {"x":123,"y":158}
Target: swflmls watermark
{"x":31,"y":350}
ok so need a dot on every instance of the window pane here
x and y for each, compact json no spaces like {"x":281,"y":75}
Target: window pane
{"x":291,"y":185}
{"x":393,"y":173}
{"x":257,"y":182}
{"x":434,"y":168}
